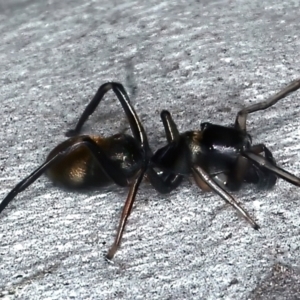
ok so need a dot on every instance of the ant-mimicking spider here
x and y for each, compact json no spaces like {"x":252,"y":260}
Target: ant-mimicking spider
{"x":216,"y":156}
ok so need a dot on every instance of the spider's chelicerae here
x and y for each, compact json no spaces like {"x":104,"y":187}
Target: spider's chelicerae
{"x":220,"y":158}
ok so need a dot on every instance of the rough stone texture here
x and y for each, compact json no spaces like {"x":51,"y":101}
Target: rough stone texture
{"x":202,"y":60}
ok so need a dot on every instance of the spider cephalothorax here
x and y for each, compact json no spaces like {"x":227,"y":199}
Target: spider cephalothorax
{"x":222,"y":158}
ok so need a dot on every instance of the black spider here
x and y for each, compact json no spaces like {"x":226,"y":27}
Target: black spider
{"x":216,"y":156}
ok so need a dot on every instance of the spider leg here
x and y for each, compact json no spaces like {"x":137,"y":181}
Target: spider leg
{"x":261,"y":148}
{"x":203,"y":176}
{"x":21,"y":186}
{"x":125,"y":214}
{"x":243,"y":172}
{"x":263,"y":162}
{"x":103,"y":89}
{"x":170,"y":127}
{"x":166,"y":182}
{"x":235,"y":176}
{"x":240,"y":121}
{"x":108,"y":166}
{"x":119,"y":90}
{"x":261,"y":177}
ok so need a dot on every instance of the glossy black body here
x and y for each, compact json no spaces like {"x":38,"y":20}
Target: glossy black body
{"x":217,"y":149}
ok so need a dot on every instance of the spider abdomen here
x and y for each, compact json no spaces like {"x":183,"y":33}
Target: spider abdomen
{"x":79,"y":169}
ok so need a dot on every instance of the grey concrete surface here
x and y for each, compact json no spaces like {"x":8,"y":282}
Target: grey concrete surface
{"x":202,"y":60}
